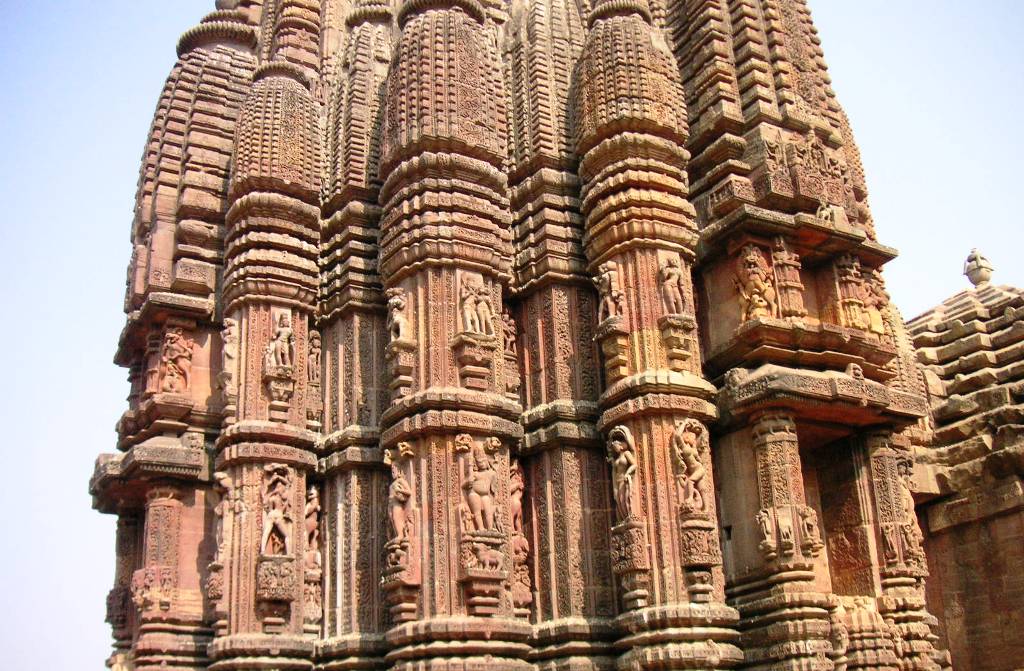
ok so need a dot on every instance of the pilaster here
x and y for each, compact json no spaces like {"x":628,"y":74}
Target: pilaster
{"x":451,"y":429}
{"x":270,"y":605}
{"x":639,"y":243}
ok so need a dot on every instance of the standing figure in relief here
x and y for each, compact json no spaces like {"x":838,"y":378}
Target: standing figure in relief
{"x":622,"y":455}
{"x":229,"y":355}
{"x":686,"y":447}
{"x":516,"y":488}
{"x":276,"y":512}
{"x":875,"y":300}
{"x":754,"y":283}
{"x":314,"y":357}
{"x":508,"y":329}
{"x":480,"y":490}
{"x":470,"y":316}
{"x":313,"y":528}
{"x":483,"y":311}
{"x":225,"y":488}
{"x":910,"y":532}
{"x":399,"y":495}
{"x":764,"y":523}
{"x":283,"y":341}
{"x":672,"y":287}
{"x":607,"y":282}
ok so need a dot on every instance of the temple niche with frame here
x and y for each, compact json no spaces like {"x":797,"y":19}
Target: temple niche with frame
{"x":543,"y":336}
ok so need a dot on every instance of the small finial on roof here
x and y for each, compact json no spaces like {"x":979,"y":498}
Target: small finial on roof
{"x":978,"y":269}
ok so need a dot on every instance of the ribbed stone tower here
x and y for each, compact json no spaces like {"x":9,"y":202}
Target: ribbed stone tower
{"x":525,"y":334}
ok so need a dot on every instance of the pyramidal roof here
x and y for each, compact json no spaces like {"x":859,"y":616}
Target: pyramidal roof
{"x":972,"y":349}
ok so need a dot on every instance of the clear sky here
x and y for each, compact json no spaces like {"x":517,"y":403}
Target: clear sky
{"x":933,"y":90}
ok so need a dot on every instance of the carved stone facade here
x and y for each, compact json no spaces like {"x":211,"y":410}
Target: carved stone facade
{"x":524,"y":334}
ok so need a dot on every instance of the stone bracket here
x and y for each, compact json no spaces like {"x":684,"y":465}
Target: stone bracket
{"x":401,"y":355}
{"x":676,"y":334}
{"x":280,"y":381}
{"x":474,"y":353}
{"x":613,"y":338}
{"x":630,"y":563}
{"x":483,"y":571}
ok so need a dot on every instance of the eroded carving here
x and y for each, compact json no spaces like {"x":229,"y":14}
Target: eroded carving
{"x":313,"y":362}
{"x":398,"y":325}
{"x":754,"y":284}
{"x":477,"y":315}
{"x":607,"y":283}
{"x":176,"y":361}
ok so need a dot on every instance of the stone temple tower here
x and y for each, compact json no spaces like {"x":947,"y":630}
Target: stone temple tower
{"x":533,"y":335}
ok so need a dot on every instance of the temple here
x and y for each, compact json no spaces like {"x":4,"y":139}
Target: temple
{"x":542,"y":336}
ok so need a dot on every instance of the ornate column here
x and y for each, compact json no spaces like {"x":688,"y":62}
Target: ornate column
{"x":903,"y":566}
{"x":640,"y":237}
{"x":353,"y":322}
{"x":121,"y":615}
{"x":169,"y":635}
{"x":451,"y":428}
{"x":551,"y":339}
{"x":270,"y":589}
{"x":789,"y":619}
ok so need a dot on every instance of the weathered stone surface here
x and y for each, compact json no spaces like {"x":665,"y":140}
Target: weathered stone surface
{"x":970,"y":479}
{"x":537,"y":335}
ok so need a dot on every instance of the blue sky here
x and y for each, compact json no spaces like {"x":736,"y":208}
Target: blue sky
{"x":933,"y":91}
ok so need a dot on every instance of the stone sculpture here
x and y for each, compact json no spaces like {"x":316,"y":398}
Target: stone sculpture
{"x":277,"y":529}
{"x":607,"y":283}
{"x":686,"y":444}
{"x":176,"y":361}
{"x":280,"y":350}
{"x":622,"y":455}
{"x":672,"y":287}
{"x":755,"y":286}
{"x":480,"y":491}
{"x":398,"y":325}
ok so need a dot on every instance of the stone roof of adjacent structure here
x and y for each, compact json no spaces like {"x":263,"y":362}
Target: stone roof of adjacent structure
{"x":972,"y":350}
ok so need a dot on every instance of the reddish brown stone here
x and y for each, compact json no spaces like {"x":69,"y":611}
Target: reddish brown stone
{"x":521,"y":335}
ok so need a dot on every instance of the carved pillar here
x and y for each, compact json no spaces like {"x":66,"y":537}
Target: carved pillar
{"x":567,"y":504}
{"x":121,"y":614}
{"x":165,"y":629}
{"x":903,"y":566}
{"x":270,"y":287}
{"x":445,"y":244}
{"x":567,"y":517}
{"x":787,"y":615}
{"x":639,"y":241}
{"x":356,"y":366}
